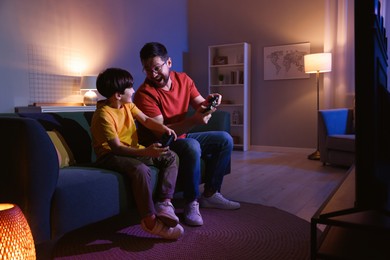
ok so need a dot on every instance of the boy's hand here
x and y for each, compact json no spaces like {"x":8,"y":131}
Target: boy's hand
{"x":155,"y":150}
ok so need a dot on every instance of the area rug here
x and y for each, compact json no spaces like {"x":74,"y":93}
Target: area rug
{"x":252,"y":232}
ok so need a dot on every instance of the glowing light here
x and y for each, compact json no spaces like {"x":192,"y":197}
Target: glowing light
{"x":76,"y":65}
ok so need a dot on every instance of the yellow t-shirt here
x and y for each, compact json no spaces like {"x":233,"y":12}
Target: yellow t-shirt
{"x":108,"y":123}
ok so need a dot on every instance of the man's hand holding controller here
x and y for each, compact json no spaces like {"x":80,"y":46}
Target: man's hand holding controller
{"x":212,"y":102}
{"x":166,"y":139}
{"x":208,"y":106}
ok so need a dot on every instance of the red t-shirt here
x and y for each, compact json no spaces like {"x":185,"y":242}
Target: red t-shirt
{"x":173,"y":104}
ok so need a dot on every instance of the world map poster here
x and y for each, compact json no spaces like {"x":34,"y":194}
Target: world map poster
{"x":285,"y":61}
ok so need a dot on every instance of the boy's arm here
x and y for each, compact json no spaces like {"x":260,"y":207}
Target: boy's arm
{"x":200,"y":117}
{"x":156,"y":126}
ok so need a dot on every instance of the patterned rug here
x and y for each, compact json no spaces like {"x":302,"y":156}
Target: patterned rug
{"x":252,"y":232}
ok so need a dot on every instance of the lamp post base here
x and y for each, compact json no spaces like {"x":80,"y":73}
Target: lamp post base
{"x":314,"y":156}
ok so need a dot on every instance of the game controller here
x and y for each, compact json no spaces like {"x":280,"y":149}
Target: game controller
{"x":212,"y":103}
{"x":166,"y":140}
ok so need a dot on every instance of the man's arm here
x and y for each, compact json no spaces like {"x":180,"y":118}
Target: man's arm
{"x":187,"y":124}
{"x":200,"y":117}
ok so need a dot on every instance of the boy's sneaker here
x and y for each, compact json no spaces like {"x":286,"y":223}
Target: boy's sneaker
{"x":192,"y":215}
{"x":161,"y":230}
{"x":218,"y":201}
{"x":166,"y":213}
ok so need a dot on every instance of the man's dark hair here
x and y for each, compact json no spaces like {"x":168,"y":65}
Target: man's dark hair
{"x":153,"y":49}
{"x":113,"y":80}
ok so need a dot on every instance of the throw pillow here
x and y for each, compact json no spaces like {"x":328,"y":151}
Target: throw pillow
{"x":59,"y":157}
{"x":66,"y":155}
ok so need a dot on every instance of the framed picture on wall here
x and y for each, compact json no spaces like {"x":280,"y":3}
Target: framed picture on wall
{"x":285,"y":61}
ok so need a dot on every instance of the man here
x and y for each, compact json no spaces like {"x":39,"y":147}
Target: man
{"x":165,"y":96}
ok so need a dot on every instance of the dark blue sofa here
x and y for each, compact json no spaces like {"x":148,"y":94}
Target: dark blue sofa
{"x":57,"y":200}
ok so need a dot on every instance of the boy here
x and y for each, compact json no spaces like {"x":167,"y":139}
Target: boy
{"x":115,"y":142}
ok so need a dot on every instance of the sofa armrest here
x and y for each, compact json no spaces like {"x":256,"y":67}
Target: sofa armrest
{"x":219,"y":121}
{"x":29,"y":172}
{"x":74,"y":128}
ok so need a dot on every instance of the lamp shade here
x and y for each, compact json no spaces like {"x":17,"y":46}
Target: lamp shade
{"x":16,"y":240}
{"x":318,"y":62}
{"x":88,"y":82}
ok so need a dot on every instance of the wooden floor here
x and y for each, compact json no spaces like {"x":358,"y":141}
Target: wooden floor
{"x":281,"y":177}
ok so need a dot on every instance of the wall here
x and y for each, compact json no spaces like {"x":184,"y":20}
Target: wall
{"x":97,"y":33}
{"x":111,"y":33}
{"x":283,"y":111}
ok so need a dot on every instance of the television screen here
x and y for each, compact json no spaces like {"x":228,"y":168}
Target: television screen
{"x":372,"y":101}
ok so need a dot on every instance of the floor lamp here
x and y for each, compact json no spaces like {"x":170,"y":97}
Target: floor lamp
{"x":317,"y":63}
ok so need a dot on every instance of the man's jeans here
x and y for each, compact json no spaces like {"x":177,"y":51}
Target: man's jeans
{"x":215,"y":148}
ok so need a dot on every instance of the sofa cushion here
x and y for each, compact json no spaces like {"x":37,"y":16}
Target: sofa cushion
{"x":78,"y":192}
{"x":66,"y":157}
{"x":341,"y":142}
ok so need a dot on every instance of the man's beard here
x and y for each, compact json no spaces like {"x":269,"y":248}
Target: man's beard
{"x":161,"y":81}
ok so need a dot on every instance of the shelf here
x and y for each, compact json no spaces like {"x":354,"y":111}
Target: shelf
{"x":231,"y":105}
{"x":54,"y":109}
{"x":226,"y":85}
{"x":227,"y":65}
{"x":233,"y":62}
{"x":238,"y":147}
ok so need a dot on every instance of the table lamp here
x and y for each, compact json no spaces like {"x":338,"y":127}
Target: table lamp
{"x":16,"y":240}
{"x":317,"y":63}
{"x":88,"y":84}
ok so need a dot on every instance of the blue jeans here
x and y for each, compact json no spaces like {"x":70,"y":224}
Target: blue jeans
{"x":215,"y":148}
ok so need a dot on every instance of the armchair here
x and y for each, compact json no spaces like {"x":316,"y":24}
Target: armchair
{"x":336,"y":136}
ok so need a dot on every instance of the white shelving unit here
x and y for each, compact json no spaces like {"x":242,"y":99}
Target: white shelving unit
{"x":54,"y":109}
{"x":233,"y":62}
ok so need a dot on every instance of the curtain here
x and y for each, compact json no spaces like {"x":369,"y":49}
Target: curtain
{"x":339,"y":86}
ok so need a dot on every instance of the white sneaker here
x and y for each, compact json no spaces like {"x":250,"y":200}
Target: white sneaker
{"x":192,"y":215}
{"x":218,"y":201}
{"x":164,"y":231}
{"x":166,"y":213}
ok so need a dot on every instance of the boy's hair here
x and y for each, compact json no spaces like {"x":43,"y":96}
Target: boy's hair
{"x":153,"y":49}
{"x":113,"y":80}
